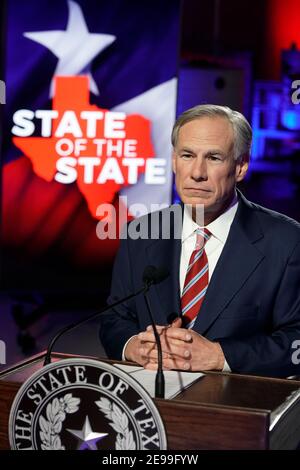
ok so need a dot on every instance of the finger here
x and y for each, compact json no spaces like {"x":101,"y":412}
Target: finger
{"x":149,"y":335}
{"x":145,"y":350}
{"x":169,"y":364}
{"x":146,"y":337}
{"x":180,"y":351}
{"x":177,"y":364}
{"x":168,"y":343}
{"x":173,"y":351}
{"x":153,"y":355}
{"x":148,"y":363}
{"x":168,"y":360}
{"x":159,"y":328}
{"x":152,"y":364}
{"x":179,"y":333}
{"x":152,"y":361}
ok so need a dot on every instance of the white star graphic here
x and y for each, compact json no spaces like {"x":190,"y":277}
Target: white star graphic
{"x":75,"y":48}
{"x":86,"y":436}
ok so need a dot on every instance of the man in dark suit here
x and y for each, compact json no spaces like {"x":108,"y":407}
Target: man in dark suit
{"x":234,"y":283}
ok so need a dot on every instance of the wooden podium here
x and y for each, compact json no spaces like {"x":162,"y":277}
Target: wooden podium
{"x":220,"y":411}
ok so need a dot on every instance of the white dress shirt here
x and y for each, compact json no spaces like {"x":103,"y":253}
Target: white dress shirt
{"x":219,"y":230}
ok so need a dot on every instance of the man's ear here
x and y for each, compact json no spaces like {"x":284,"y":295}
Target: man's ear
{"x":242,"y":167}
{"x":174,"y":161}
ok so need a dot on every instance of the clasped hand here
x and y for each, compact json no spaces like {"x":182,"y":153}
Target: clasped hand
{"x":181,"y":349}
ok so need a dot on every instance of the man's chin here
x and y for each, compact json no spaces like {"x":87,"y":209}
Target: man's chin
{"x":196,"y":201}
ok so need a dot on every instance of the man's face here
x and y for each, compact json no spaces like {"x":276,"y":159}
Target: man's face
{"x":205,"y":170}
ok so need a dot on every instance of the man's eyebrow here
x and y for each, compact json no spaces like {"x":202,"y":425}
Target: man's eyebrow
{"x":185,"y":149}
{"x":207,"y":152}
{"x":215,"y":152}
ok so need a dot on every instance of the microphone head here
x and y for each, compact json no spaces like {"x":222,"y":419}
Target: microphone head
{"x":154,"y":275}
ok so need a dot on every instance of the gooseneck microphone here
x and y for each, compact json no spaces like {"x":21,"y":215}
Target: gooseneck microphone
{"x":153,"y":275}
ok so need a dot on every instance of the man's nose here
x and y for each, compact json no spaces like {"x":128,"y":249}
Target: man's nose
{"x":199,"y":170}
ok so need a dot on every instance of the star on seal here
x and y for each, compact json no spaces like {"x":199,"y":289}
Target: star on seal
{"x":86,"y":436}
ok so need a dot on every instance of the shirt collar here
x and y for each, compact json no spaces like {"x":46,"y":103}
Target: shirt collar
{"x":219,"y":228}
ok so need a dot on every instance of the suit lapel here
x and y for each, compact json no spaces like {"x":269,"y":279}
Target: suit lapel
{"x":238,"y":260}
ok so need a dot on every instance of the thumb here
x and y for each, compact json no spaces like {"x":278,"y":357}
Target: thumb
{"x":177,"y":323}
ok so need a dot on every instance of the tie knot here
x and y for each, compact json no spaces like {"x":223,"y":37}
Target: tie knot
{"x":203,"y":234}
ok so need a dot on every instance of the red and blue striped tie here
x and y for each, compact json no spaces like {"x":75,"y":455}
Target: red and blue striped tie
{"x":196,"y":280}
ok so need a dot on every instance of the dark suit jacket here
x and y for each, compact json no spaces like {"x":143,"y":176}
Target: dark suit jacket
{"x":252,"y":304}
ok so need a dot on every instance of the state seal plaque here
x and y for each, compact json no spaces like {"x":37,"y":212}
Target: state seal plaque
{"x":84,"y":404}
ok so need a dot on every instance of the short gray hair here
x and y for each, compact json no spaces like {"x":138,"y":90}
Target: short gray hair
{"x":241,"y":128}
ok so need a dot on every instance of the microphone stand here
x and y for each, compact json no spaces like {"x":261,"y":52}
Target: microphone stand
{"x":159,"y":379}
{"x":90,"y":317}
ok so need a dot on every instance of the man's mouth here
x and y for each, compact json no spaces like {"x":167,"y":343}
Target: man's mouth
{"x":198,"y":190}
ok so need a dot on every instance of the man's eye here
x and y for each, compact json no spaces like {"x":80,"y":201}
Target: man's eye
{"x":186,"y":156}
{"x":214,"y":158}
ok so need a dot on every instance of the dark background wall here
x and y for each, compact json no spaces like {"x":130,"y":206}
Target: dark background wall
{"x":261,"y":27}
